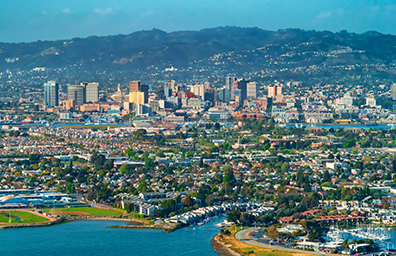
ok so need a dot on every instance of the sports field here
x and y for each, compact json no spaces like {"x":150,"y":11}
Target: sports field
{"x":25,"y":216}
{"x":83,"y":211}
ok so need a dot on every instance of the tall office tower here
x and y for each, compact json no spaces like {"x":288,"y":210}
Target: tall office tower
{"x":274,"y":91}
{"x":229,"y":82}
{"x":393,"y":91}
{"x":170,"y":84}
{"x":134,"y":86}
{"x":51,"y":94}
{"x":251,"y":90}
{"x":222,"y":94}
{"x":167,"y":92}
{"x":144,"y":88}
{"x":91,"y":92}
{"x":137,"y":86}
{"x":136,"y":97}
{"x":271,"y":91}
{"x":76,"y":93}
{"x":198,"y":90}
{"x":241,"y":85}
{"x":279,"y":89}
{"x":238,"y":95}
{"x":210,"y":95}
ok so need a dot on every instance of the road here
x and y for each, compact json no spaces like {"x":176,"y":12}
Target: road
{"x":241,"y":236}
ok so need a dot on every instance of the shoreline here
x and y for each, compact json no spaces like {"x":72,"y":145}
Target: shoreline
{"x":64,"y":220}
{"x":35,"y":225}
{"x":221,"y":248}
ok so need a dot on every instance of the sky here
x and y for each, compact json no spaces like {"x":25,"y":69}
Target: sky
{"x":32,"y":20}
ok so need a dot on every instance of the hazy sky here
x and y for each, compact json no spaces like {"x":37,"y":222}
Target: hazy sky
{"x":30,"y":20}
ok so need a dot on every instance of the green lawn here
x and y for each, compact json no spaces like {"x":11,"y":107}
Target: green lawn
{"x":92,"y":211}
{"x":26,"y":217}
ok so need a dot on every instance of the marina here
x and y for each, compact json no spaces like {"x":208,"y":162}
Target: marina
{"x":382,"y":236}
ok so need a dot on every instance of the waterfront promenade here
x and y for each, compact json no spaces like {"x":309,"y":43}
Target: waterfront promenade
{"x":245,"y":237}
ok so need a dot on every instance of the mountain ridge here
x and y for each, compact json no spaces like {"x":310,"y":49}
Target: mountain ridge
{"x":142,"y":49}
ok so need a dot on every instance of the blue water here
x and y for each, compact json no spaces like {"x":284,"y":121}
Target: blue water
{"x":389,"y":244}
{"x":93,"y":238}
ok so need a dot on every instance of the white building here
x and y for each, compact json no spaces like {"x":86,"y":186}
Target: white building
{"x":91,"y":92}
{"x":251,"y":90}
{"x":370,"y":101}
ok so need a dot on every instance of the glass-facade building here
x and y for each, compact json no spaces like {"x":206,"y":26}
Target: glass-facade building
{"x":51,"y":94}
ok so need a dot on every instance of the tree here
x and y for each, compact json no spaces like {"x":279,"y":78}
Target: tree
{"x":129,"y":207}
{"x":310,"y":202}
{"x":247,"y":219}
{"x":229,"y":175}
{"x":187,"y":202}
{"x":326,"y":176}
{"x":69,"y":188}
{"x":98,"y":160}
{"x":385,"y":203}
{"x":34,"y":158}
{"x":140,"y":134}
{"x":209,"y":200}
{"x":167,"y":207}
{"x":272,"y":232}
{"x":285,"y":167}
{"x":234,"y":216}
{"x":126,"y":169}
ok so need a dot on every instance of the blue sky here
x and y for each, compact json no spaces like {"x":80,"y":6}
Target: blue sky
{"x":31,"y":20}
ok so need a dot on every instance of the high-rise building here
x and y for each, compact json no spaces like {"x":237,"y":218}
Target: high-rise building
{"x":154,"y":106}
{"x":167,"y":92}
{"x":271,"y":91}
{"x":70,"y":104}
{"x":51,"y":94}
{"x":134,"y":86}
{"x":144,"y":88}
{"x":241,"y":85}
{"x":76,"y":93}
{"x":251,"y":90}
{"x":137,"y":97}
{"x":238,"y":95}
{"x":137,"y":86}
{"x":274,"y":91}
{"x":142,"y":109}
{"x":229,"y":82}
{"x":393,"y":91}
{"x":170,"y":84}
{"x":91,"y":92}
{"x":128,"y":105}
{"x":224,"y":94}
{"x":279,"y":89}
{"x":198,"y":90}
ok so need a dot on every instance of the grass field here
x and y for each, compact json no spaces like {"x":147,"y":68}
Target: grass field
{"x":84,"y":211}
{"x":26,"y":217}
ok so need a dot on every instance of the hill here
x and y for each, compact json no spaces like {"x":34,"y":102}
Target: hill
{"x":231,"y":49}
